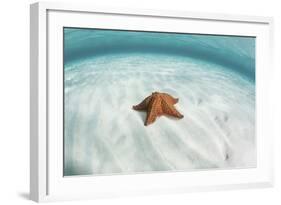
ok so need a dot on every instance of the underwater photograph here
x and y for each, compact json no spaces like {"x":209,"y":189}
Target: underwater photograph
{"x":150,"y":102}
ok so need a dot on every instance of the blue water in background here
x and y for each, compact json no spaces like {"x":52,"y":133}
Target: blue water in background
{"x":108,"y":71}
{"x":233,"y":52}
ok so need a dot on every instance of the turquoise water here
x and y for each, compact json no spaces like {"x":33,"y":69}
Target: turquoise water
{"x":106,"y":72}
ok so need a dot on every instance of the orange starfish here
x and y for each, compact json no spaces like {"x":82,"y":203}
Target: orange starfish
{"x":158,"y":104}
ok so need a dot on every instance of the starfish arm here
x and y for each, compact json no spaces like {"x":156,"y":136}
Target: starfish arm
{"x":169,"y":98}
{"x":153,"y":111}
{"x":143,"y":105}
{"x":170,"y":110}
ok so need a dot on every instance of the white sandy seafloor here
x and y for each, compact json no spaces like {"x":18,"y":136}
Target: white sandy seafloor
{"x":103,"y":135}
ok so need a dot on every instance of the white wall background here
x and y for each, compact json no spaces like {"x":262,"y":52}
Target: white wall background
{"x":14,"y":101}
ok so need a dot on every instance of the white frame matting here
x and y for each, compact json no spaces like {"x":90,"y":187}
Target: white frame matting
{"x":46,"y":139}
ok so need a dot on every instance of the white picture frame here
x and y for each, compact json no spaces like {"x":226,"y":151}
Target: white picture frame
{"x":46,"y":179}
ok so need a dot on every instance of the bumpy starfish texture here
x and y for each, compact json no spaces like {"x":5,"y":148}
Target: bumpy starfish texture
{"x":158,"y":104}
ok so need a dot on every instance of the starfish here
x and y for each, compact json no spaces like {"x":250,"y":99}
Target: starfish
{"x":158,"y":104}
